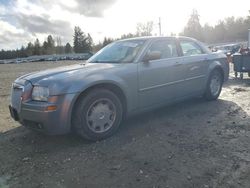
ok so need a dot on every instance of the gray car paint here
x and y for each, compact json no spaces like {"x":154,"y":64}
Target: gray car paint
{"x":144,"y":85}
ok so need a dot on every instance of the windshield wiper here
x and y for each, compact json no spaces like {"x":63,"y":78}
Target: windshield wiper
{"x":98,"y":61}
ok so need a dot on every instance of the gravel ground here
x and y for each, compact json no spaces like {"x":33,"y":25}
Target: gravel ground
{"x":191,"y":144}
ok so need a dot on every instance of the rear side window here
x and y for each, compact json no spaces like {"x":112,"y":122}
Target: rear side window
{"x":167,"y":48}
{"x":190,"y":48}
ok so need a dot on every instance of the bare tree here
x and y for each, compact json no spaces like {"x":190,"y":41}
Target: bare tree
{"x":144,"y":29}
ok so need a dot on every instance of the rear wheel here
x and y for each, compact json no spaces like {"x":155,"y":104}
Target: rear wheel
{"x":97,"y":115}
{"x":214,"y":85}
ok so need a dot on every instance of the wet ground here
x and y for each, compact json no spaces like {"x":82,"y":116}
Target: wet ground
{"x":191,"y":144}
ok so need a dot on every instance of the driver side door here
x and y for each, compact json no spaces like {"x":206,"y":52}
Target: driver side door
{"x":161,"y":80}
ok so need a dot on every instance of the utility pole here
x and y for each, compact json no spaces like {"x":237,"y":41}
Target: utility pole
{"x":249,"y":38}
{"x":159,"y":26}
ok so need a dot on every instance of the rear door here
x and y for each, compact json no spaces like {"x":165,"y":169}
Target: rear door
{"x":196,"y":63}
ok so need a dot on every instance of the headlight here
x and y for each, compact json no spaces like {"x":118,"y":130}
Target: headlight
{"x":40,"y":93}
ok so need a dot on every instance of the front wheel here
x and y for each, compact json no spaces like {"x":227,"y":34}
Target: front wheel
{"x":214,"y":85}
{"x":97,"y":115}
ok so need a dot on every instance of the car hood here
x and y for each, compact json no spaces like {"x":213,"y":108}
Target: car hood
{"x":65,"y":72}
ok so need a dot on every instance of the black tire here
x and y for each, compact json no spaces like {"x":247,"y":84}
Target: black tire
{"x":236,"y":74}
{"x":241,"y":75}
{"x":209,"y":94}
{"x":82,"y":126}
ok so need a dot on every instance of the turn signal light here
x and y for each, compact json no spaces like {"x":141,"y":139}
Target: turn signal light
{"x":51,"y":108}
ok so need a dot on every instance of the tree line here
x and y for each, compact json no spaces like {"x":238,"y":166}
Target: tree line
{"x":83,"y":43}
{"x":230,"y":29}
{"x":48,"y":47}
{"x":142,"y":29}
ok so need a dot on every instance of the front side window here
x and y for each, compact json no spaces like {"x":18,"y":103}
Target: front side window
{"x":190,"y":48}
{"x":166,"y":48}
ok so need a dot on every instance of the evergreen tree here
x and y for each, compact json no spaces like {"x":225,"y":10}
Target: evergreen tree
{"x":82,"y":42}
{"x":30,"y":49}
{"x":49,"y":46}
{"x":207,"y":31}
{"x":68,"y":49}
{"x":219,"y":32}
{"x":22,"y":52}
{"x":89,"y":42}
{"x":45,"y":48}
{"x":78,"y":35}
{"x":107,"y":41}
{"x":193,"y":28}
{"x":97,"y":46}
{"x":37,"y":48}
{"x":129,"y":35}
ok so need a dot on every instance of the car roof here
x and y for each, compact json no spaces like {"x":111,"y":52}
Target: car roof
{"x":158,"y":37}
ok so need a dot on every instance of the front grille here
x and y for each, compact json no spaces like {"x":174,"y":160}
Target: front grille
{"x":19,"y":93}
{"x":16,"y":94}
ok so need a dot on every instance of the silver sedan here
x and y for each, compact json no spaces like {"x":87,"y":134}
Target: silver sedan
{"x":124,"y":78}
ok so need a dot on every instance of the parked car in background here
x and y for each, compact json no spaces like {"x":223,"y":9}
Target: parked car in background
{"x":228,"y":49}
{"x":124,"y":78}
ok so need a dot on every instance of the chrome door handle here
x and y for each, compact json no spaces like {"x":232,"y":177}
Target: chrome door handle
{"x":194,"y":68}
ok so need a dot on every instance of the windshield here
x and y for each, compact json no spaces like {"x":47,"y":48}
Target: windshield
{"x":118,"y":52}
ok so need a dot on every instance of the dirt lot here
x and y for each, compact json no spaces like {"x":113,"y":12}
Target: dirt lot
{"x":191,"y":144}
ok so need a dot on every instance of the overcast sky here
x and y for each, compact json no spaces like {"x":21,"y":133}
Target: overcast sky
{"x":22,"y":21}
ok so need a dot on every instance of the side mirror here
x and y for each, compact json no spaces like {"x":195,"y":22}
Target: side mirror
{"x":154,"y":55}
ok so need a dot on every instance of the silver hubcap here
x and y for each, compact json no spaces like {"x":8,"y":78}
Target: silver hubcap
{"x":101,"y":115}
{"x":215,"y":84}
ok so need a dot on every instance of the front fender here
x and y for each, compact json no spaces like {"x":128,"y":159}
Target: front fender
{"x":92,"y":80}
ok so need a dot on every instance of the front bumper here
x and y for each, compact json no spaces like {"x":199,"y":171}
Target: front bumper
{"x":35,"y":115}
